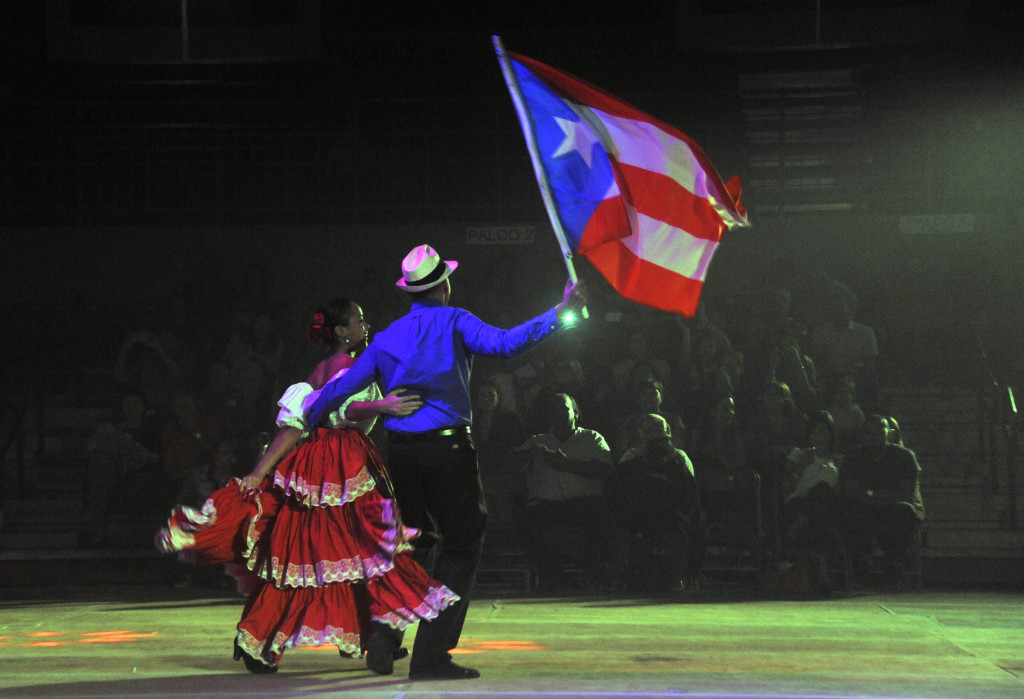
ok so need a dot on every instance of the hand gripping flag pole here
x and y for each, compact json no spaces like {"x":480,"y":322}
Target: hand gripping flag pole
{"x":538,"y":166}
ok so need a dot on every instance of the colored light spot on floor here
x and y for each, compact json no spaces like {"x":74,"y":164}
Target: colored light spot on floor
{"x":470,"y":646}
{"x":326,"y":646}
{"x":510,"y":645}
{"x":113,"y":636}
{"x":110,"y":639}
{"x":107,"y":633}
{"x":44,"y":644}
{"x":44,"y":634}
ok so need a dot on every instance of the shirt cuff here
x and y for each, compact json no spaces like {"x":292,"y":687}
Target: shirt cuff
{"x":554,"y":319}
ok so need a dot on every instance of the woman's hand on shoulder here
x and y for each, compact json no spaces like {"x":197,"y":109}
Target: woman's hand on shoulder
{"x":399,"y":405}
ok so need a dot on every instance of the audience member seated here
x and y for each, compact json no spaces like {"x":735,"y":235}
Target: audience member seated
{"x":843,"y":346}
{"x":638,"y":357}
{"x":199,"y":485}
{"x":646,"y":398}
{"x":895,"y":431}
{"x":130,"y":445}
{"x":180,"y":335}
{"x":221,"y":402}
{"x":143,"y":366}
{"x":729,"y":488}
{"x":496,"y":431}
{"x":881,"y":500}
{"x":528,"y":375}
{"x":702,"y":327}
{"x":565,"y":471}
{"x":253,"y":354}
{"x":564,"y":371}
{"x":255,"y":294}
{"x":771,"y":433}
{"x":797,"y":370}
{"x":655,"y":505}
{"x":501,"y":374}
{"x":208,"y":477}
{"x":847,"y":414}
{"x":809,"y":506}
{"x":770,"y":322}
{"x":715,"y":369}
{"x":188,"y":440}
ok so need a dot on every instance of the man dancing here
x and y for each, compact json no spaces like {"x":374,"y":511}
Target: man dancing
{"x":431,"y":456}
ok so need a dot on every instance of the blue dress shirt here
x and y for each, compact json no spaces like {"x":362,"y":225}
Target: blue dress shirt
{"x":429,"y":352}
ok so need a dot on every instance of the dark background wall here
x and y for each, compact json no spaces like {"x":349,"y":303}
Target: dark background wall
{"x":879,"y":144}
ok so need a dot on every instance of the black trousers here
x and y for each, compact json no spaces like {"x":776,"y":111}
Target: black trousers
{"x":892,"y":525}
{"x":437,"y":485}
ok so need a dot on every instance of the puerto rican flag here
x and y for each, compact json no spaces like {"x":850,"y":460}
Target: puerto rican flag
{"x":635,"y":196}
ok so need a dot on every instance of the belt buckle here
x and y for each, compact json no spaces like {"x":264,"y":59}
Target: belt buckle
{"x":451,"y":431}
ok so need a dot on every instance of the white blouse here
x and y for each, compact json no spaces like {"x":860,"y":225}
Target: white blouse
{"x":818,"y":470}
{"x":298,"y":397}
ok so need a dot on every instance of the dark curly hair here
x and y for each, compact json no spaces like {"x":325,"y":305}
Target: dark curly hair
{"x":330,"y":315}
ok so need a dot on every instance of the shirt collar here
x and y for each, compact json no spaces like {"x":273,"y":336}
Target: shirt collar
{"x":575,"y":431}
{"x":427,"y":302}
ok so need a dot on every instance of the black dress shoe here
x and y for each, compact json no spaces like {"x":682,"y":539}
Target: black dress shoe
{"x":448,"y":671}
{"x":399,"y":653}
{"x":381,"y":650}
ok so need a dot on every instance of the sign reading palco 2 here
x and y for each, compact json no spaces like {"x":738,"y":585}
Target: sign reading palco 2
{"x":500,"y":235}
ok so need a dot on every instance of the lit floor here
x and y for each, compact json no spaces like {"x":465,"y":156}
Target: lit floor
{"x":157,"y":641}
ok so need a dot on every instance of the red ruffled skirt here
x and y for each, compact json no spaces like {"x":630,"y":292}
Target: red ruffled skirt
{"x":319,"y":549}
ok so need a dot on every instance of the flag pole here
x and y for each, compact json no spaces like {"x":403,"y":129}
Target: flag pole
{"x":538,"y":166}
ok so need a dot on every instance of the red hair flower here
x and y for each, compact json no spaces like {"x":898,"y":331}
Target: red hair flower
{"x":317,"y":332}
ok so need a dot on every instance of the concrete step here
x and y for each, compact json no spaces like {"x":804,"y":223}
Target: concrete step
{"x":953,"y":541}
{"x":47,"y":482}
{"x":504,"y":572}
{"x":65,"y":430}
{"x":964,"y":503}
{"x":81,"y":554}
{"x":87,"y":567}
{"x":67,"y":474}
{"x":60,"y":417}
{"x":28,"y":542}
{"x":30,"y":511}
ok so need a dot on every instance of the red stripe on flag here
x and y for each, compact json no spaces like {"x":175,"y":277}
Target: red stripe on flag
{"x":644,"y":282}
{"x":607,"y":224}
{"x":662,"y":198}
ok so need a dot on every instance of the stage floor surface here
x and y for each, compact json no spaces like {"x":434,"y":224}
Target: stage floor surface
{"x":156,"y":641}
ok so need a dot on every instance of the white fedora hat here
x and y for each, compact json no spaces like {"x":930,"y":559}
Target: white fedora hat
{"x":423,"y":268}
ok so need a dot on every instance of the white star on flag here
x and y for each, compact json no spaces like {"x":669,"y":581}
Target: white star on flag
{"x":577,"y":138}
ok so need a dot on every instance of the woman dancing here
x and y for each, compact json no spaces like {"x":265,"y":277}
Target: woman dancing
{"x":313,"y":534}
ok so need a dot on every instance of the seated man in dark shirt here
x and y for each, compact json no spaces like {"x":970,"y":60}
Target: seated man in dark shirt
{"x":565,"y":470}
{"x":655,"y":503}
{"x":879,"y":484}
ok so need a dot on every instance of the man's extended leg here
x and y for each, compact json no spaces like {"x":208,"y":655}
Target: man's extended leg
{"x":453,"y":498}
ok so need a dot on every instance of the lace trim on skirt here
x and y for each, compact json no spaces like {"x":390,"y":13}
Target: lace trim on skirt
{"x":322,"y":572}
{"x":179,"y":534}
{"x":324,"y":494}
{"x":438,"y":599}
{"x":349,"y":644}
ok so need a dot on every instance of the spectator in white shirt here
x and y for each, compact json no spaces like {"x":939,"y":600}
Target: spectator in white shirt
{"x":565,"y":470}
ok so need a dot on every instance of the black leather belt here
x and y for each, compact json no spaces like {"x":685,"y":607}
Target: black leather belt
{"x":429,"y":434}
